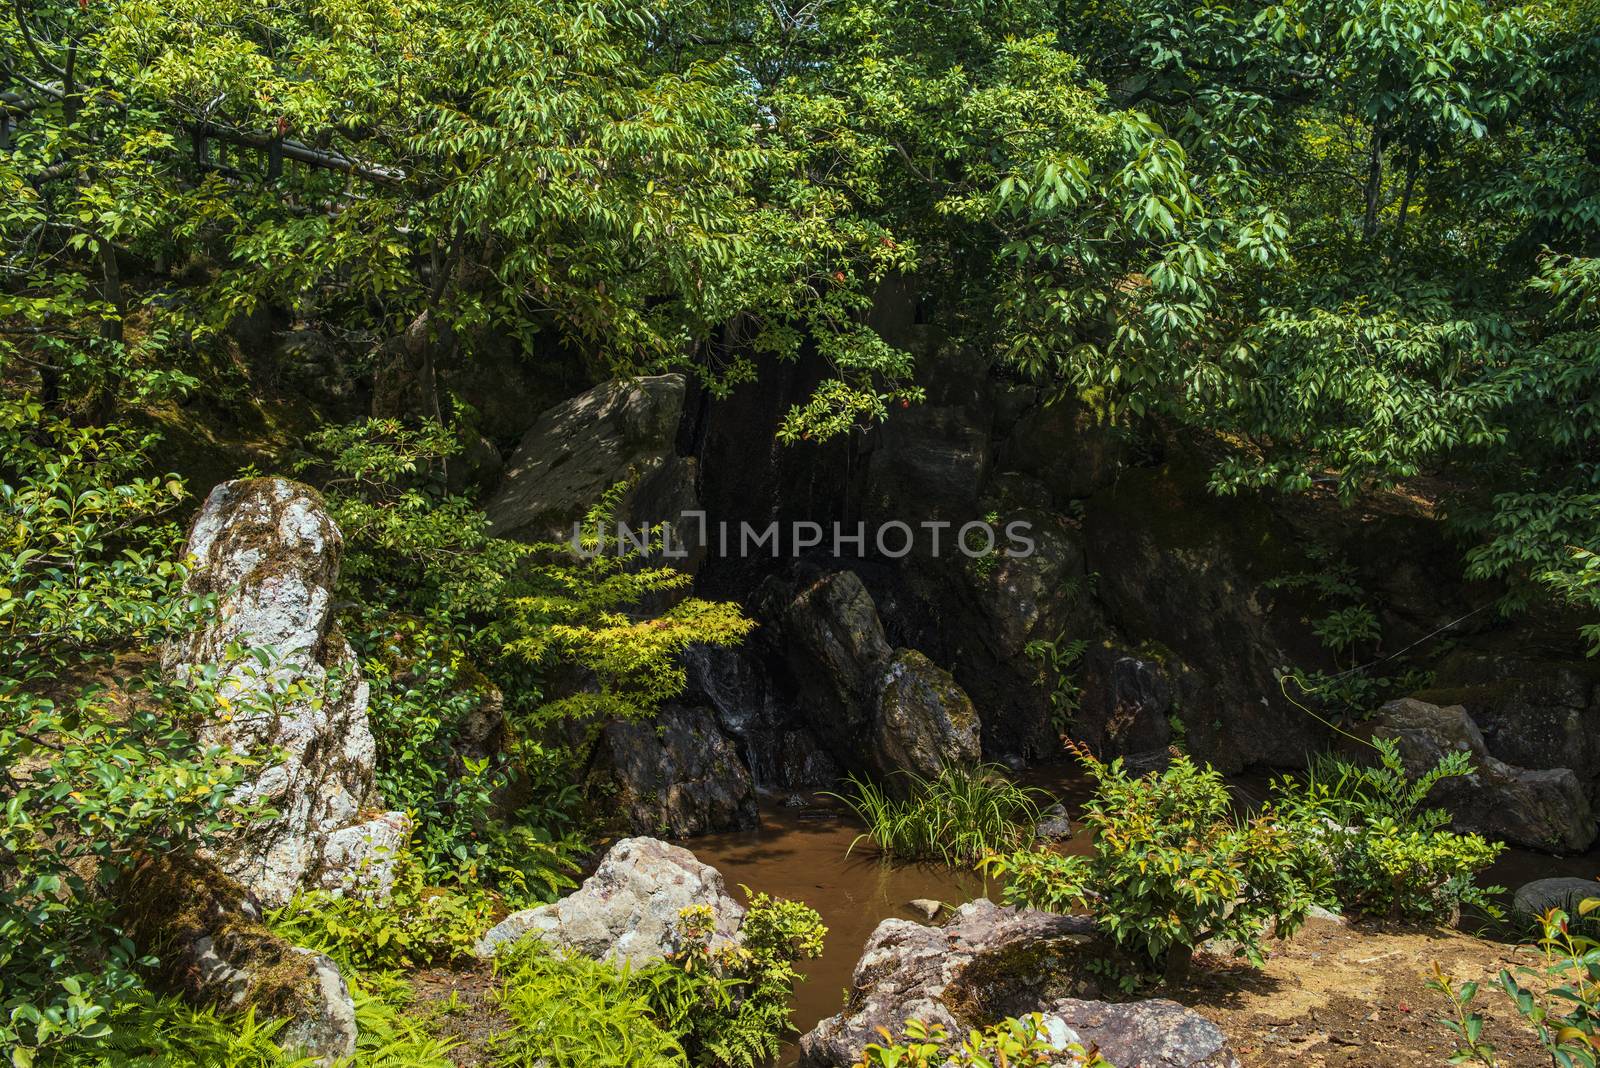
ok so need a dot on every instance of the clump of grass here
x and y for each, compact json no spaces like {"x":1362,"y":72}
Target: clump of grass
{"x":957,"y":817}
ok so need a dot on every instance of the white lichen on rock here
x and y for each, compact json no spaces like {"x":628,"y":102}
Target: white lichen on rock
{"x":268,"y":551}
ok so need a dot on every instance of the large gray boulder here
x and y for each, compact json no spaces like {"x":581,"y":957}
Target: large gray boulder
{"x":989,"y":963}
{"x":619,"y":431}
{"x":1542,"y":809}
{"x":268,"y":552}
{"x":678,"y":775}
{"x":949,"y":975}
{"x":1156,"y":1033}
{"x":627,"y":912}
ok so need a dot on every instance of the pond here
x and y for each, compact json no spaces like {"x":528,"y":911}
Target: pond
{"x":804,"y":853}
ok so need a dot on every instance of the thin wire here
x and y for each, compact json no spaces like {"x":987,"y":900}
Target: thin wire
{"x":1283,"y":680}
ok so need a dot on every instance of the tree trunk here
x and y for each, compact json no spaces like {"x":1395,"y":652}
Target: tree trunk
{"x":1374,"y":190}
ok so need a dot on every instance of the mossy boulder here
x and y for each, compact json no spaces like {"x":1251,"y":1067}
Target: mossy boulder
{"x":206,"y":932}
{"x":924,"y":720}
{"x":989,"y":963}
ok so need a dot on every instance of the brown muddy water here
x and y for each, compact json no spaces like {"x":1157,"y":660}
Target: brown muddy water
{"x":805,"y":854}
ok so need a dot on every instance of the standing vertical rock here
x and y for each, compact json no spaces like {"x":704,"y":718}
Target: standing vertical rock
{"x":268,"y":552}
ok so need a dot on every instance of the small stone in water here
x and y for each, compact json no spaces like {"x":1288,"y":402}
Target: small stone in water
{"x":926,"y":905}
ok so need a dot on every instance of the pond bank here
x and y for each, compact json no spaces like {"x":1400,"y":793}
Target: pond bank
{"x":804,"y":853}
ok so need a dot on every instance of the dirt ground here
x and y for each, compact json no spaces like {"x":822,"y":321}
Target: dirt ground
{"x":1357,"y":996}
{"x":459,"y":1006}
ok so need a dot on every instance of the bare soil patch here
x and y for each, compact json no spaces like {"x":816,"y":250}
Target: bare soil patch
{"x":1353,"y":996}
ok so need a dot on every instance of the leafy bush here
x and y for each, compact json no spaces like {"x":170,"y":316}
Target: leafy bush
{"x":91,"y":776}
{"x":1559,"y":1000}
{"x":1171,"y":868}
{"x":417,"y":926}
{"x":572,"y":1012}
{"x":1014,"y":1042}
{"x":958,"y":817}
{"x":731,"y":1006}
{"x":727,"y":1006}
{"x":424,"y":691}
{"x":1368,"y":836}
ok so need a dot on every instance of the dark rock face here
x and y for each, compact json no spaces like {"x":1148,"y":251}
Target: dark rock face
{"x":756,"y":709}
{"x":1190,"y":573}
{"x":1132,"y":711}
{"x":1542,"y":809}
{"x":873,"y":707}
{"x":577,"y":450}
{"x":989,"y":963}
{"x":679,"y":775}
{"x":983,"y":616}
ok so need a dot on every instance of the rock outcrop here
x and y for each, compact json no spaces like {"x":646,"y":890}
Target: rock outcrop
{"x":576,"y":451}
{"x":874,"y":707}
{"x":214,"y":950}
{"x":989,"y":963}
{"x":1543,"y":809}
{"x":268,"y":552}
{"x":950,"y":975}
{"x":1534,"y":712}
{"x":678,"y":775}
{"x":627,"y":911}
{"x":1533,"y":900}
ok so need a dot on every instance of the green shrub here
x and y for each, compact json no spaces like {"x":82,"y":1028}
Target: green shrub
{"x":958,"y":817}
{"x":1369,"y":838}
{"x":1559,"y":999}
{"x":731,"y":1006}
{"x":423,"y":691}
{"x":91,"y":775}
{"x":727,"y":1006}
{"x":1171,"y":868}
{"x":416,"y":926}
{"x":572,"y":1012}
{"x":1013,"y":1043}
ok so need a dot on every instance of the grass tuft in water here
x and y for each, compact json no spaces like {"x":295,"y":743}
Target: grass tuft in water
{"x":957,"y":817}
